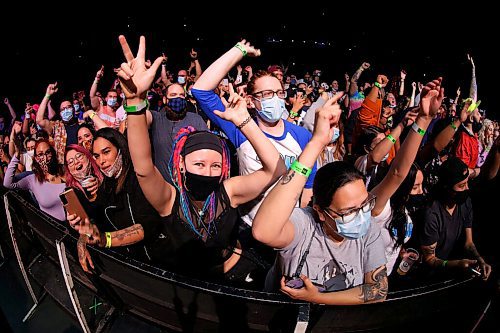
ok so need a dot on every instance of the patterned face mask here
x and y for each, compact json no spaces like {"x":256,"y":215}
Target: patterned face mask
{"x":116,"y":169}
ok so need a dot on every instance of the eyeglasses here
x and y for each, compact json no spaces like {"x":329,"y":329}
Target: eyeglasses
{"x":78,"y":157}
{"x":47,"y":154}
{"x":268,"y":94}
{"x":351,"y":214}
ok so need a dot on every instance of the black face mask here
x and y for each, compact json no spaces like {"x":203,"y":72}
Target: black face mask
{"x":415,"y":202}
{"x":476,"y":126}
{"x":460,"y":197}
{"x":200,"y":187}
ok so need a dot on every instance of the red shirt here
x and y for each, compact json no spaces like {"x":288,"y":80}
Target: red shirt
{"x":467,"y":148}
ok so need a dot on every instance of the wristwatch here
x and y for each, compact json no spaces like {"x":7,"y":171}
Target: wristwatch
{"x":136,"y":108}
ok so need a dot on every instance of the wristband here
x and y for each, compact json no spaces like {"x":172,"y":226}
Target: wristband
{"x":136,"y":108}
{"x":241,"y":48}
{"x":293,"y":114}
{"x":108,"y":240}
{"x":417,"y":129}
{"x":378,"y":85}
{"x":300,"y":168}
{"x":390,"y":138}
{"x":244,"y":122}
{"x":47,"y":96}
{"x":92,"y":115}
{"x":453,"y":126}
{"x":445,"y":262}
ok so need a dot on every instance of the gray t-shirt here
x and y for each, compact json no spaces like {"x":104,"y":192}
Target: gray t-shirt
{"x":164,"y":131}
{"x":353,"y":257}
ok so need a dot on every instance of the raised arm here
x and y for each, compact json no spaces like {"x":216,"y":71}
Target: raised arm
{"x":94,"y":100}
{"x":218,"y":70}
{"x":413,"y":90}
{"x":242,"y":189}
{"x":271,"y":225}
{"x":432,"y":97}
{"x":135,"y":81}
{"x":45,"y":123}
{"x":377,"y":89}
{"x":96,"y":120}
{"x":383,"y":147}
{"x":402,"y":82}
{"x":194,"y":61}
{"x":473,"y":82}
{"x":354,"y":80}
{"x":26,"y":120}
{"x":11,"y":110}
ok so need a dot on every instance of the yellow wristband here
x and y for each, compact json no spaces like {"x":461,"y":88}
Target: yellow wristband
{"x":108,"y":240}
{"x":92,"y":115}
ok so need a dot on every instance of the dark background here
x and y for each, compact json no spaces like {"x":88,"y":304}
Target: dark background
{"x":43,"y":45}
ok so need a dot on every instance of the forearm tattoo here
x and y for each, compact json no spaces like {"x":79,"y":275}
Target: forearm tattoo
{"x":123,"y":236}
{"x":377,"y":290}
{"x":81,"y":249}
{"x":430,"y":255}
{"x":471,"y":249}
{"x":288,"y":177}
{"x":356,"y":75}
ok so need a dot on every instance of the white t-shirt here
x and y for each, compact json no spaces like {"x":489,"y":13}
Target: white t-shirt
{"x":383,"y":220}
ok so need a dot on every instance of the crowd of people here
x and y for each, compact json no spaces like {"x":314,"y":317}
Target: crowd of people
{"x":264,"y":179}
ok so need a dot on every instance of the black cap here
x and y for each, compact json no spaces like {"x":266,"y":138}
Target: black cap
{"x":452,"y":172}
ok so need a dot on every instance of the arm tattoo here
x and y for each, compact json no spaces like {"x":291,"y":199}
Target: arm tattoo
{"x":356,"y":75}
{"x":123,"y":235}
{"x":81,"y":249}
{"x":430,"y":255}
{"x":378,"y":290}
{"x":471,"y":248}
{"x":288,"y":177}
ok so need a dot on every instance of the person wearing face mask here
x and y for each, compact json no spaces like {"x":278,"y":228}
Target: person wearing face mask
{"x":109,"y":111}
{"x":63,"y":131}
{"x":27,"y":157}
{"x":166,"y":123}
{"x":446,"y":238}
{"x":265,"y":94}
{"x":466,"y":145}
{"x":86,"y":134}
{"x":46,"y":182}
{"x":200,"y":209}
{"x":123,"y":218}
{"x":334,"y":151}
{"x":334,"y":246}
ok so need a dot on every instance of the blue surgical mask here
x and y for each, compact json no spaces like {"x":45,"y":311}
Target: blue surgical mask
{"x":354,"y":229}
{"x":177,"y":104}
{"x":77,"y":107}
{"x":336,"y":134}
{"x":272,"y":109}
{"x":111,"y":101}
{"x":181,"y":79}
{"x":67,"y":114}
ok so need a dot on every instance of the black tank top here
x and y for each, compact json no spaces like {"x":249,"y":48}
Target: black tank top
{"x":187,"y":252}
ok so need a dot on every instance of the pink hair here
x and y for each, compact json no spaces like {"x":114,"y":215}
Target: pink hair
{"x":70,"y":180}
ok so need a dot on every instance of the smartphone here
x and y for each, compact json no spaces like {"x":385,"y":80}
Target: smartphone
{"x":295,"y":283}
{"x":72,"y":204}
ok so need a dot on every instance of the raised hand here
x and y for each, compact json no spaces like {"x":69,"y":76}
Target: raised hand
{"x":239,"y":69}
{"x":383,"y":80}
{"x":251,"y":51}
{"x":236,"y":108}
{"x":193,"y":54}
{"x":410,"y":117}
{"x":248,"y":69}
{"x":100,"y":73}
{"x":6,"y":101}
{"x":471,"y":60}
{"x":420,"y":86}
{"x":365,"y":65}
{"x":464,"y":113}
{"x":52,"y":89}
{"x":403,"y":74}
{"x":458,"y":91}
{"x":414,"y":85}
{"x":327,"y":117}
{"x":432,"y":98}
{"x":346,"y":76}
{"x":16,"y":128}
{"x":164,"y":58}
{"x":134,"y":77}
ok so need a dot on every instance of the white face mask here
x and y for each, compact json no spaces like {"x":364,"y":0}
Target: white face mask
{"x":30,"y":153}
{"x":272,"y":109}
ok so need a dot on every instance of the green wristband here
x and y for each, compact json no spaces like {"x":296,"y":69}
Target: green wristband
{"x":47,"y":96}
{"x":300,"y":168}
{"x":445,"y":262}
{"x":378,"y":85}
{"x":241,"y":48}
{"x":417,"y":129}
{"x":453,"y":126}
{"x":293,"y":114}
{"x":136,"y":108}
{"x":391,"y":138}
